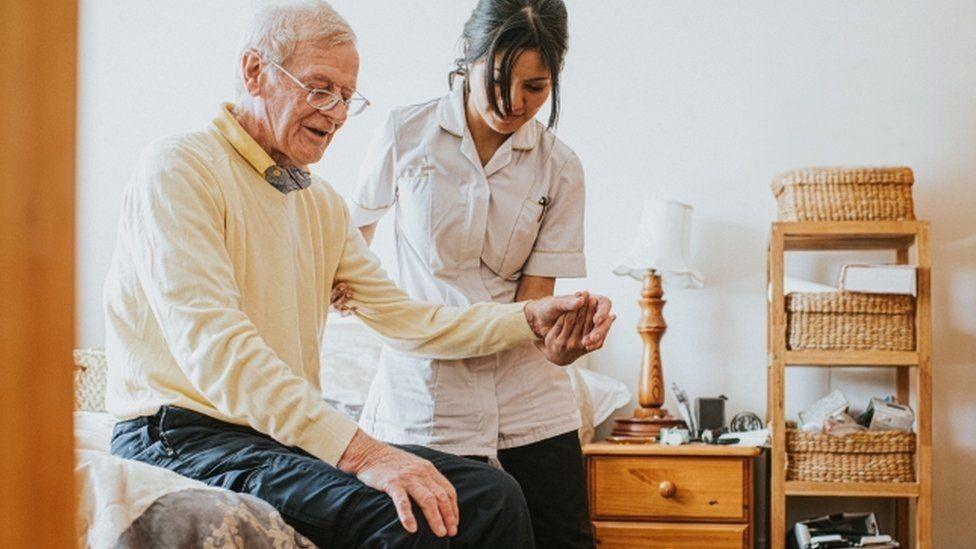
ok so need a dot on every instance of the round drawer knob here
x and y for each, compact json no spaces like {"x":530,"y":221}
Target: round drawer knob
{"x":667,"y":489}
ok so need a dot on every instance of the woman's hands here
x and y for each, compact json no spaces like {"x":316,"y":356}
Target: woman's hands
{"x":568,"y":327}
{"x":341,"y":294}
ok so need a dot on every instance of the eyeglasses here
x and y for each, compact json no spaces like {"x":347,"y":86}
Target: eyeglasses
{"x":326,"y":100}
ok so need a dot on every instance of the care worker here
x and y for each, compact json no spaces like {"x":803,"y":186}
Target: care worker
{"x":488,"y":206}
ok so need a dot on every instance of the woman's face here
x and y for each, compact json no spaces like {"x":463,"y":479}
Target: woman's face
{"x":531,"y":85}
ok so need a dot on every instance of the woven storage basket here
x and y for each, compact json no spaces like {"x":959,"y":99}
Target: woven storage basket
{"x":850,"y":321}
{"x":867,"y":456}
{"x":845,"y":194}
{"x":90,"y":378}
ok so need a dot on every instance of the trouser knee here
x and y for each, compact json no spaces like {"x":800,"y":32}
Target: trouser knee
{"x":508,"y":509}
{"x":384,"y":529}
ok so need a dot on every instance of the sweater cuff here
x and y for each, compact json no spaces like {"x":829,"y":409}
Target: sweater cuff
{"x":328,"y":440}
{"x":521,"y":329}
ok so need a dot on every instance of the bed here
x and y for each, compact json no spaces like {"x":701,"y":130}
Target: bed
{"x":127,"y":504}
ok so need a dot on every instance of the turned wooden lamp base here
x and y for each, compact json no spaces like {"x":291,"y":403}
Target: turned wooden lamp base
{"x":644,"y":426}
{"x":650,"y":416}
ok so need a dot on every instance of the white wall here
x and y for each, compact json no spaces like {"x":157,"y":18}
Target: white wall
{"x":697,"y":101}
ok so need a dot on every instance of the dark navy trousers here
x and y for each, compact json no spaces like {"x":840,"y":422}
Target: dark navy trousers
{"x":553,"y":478}
{"x":326,"y":505}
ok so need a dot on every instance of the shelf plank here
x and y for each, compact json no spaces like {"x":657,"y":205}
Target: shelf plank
{"x":852,"y":358}
{"x":848,"y":235}
{"x":853,"y":489}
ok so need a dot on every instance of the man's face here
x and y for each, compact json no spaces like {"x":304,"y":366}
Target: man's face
{"x":300,"y":133}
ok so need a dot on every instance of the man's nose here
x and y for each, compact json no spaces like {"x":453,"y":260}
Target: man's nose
{"x":336,"y":115}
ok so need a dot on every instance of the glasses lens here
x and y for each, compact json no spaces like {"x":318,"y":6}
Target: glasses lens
{"x":356,"y":105}
{"x":323,"y":100}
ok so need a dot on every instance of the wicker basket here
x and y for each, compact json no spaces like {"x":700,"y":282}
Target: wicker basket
{"x":850,"y":321}
{"x":867,"y":456}
{"x":91,"y":371}
{"x":845,"y":194}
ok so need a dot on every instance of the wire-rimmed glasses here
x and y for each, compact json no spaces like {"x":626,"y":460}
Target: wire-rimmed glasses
{"x":325,"y":100}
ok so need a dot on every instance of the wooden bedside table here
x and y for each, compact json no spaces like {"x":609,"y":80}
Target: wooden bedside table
{"x":690,"y":496}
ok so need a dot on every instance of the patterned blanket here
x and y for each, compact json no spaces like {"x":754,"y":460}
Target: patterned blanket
{"x":127,"y":504}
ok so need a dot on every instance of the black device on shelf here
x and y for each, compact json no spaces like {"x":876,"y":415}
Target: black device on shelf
{"x":710,"y":412}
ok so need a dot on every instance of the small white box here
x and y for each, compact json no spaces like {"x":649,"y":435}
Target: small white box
{"x":878,"y":279}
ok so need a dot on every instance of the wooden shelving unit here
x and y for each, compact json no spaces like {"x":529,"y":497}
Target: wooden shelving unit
{"x":854,"y":489}
{"x":913,"y":500}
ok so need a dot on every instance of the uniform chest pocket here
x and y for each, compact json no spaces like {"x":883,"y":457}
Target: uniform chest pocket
{"x":430,"y":218}
{"x":414,"y":198}
{"x":522,"y":240}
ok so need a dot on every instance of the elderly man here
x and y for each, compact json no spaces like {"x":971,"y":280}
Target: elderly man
{"x":228,"y":251}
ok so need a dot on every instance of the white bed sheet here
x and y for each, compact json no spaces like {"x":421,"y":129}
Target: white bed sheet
{"x":113,"y":492}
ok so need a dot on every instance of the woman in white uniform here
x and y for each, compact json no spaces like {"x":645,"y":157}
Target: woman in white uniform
{"x":488,"y":207}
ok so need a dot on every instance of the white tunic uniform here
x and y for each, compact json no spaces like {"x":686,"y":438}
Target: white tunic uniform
{"x":465,"y":234}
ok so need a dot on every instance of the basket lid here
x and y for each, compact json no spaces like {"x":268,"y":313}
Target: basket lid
{"x":898,"y":175}
{"x":850,"y":302}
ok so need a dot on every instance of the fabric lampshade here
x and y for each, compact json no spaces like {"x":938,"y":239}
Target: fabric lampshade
{"x":662,"y":243}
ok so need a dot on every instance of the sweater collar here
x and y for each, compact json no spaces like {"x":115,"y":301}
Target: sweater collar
{"x":283,"y":179}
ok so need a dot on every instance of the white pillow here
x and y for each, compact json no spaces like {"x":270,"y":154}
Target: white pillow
{"x":598,"y":396}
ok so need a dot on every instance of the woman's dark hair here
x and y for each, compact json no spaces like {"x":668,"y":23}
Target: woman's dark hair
{"x":510,"y":27}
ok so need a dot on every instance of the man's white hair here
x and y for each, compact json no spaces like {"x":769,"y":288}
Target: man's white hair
{"x":275,"y":31}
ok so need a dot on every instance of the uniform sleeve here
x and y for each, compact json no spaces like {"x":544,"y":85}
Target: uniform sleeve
{"x":558,"y":250}
{"x":376,"y":186}
{"x":422,"y":328}
{"x":173,"y":219}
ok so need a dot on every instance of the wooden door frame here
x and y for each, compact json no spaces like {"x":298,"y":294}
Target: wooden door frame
{"x":38,"y":82}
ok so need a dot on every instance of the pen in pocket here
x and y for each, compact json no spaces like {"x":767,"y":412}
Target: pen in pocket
{"x":544,"y":202}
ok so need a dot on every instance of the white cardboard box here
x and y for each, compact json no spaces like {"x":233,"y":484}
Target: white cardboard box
{"x":878,"y":279}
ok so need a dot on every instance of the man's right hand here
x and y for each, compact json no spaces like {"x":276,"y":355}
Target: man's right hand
{"x":404,"y":477}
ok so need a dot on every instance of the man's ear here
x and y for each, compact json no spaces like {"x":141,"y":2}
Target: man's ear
{"x":251,"y":65}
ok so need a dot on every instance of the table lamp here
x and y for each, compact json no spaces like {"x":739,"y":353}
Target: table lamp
{"x":660,"y":251}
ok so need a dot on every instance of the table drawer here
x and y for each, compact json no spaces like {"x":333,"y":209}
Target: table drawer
{"x":624,"y":535}
{"x":670,"y":488}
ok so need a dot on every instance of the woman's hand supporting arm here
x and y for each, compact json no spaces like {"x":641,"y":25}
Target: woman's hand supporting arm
{"x":369,"y":231}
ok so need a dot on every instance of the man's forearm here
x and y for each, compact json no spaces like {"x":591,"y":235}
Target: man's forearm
{"x":439,"y":331}
{"x":357,"y":453}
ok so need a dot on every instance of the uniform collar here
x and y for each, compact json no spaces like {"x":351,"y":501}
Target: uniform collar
{"x":450,"y":112}
{"x":283,"y":179}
